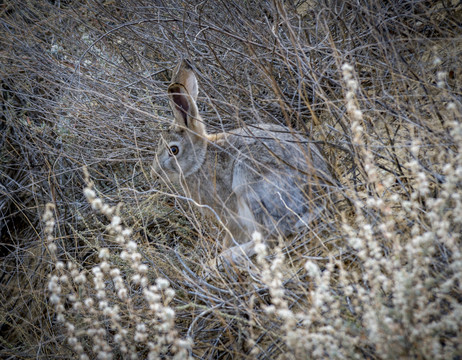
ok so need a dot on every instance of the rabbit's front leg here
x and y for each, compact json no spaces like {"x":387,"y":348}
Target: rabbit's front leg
{"x":237,"y":256}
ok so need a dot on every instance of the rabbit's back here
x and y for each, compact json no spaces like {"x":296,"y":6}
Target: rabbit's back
{"x":278,"y":147}
{"x":278,"y":177}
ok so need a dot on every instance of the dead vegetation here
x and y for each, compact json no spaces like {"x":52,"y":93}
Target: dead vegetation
{"x":83,"y":85}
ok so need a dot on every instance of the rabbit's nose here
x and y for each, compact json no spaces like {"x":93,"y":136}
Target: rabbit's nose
{"x":154,"y":174}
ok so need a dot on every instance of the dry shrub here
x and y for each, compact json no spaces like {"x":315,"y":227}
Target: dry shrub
{"x":118,"y":271}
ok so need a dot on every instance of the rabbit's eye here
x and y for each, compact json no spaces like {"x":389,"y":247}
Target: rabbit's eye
{"x":174,"y":150}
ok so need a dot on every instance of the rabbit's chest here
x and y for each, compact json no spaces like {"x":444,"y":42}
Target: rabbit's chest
{"x":212,"y":191}
{"x":213,"y":183}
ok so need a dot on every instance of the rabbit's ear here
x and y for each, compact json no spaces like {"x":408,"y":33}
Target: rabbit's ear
{"x":183,"y":94}
{"x":184,"y":75}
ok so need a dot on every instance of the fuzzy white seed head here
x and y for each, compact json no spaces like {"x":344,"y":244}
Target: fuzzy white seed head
{"x":312,"y":269}
{"x":116,"y":220}
{"x":162,"y":283}
{"x":131,"y":246}
{"x":257,"y":236}
{"x":104,"y":253}
{"x":89,"y":193}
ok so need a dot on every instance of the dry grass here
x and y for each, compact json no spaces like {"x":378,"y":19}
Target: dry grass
{"x":83,"y":85}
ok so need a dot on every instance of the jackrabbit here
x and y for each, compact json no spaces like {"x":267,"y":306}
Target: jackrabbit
{"x":263,"y":177}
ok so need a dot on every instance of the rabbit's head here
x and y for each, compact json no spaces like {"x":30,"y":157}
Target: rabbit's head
{"x":182,"y":147}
